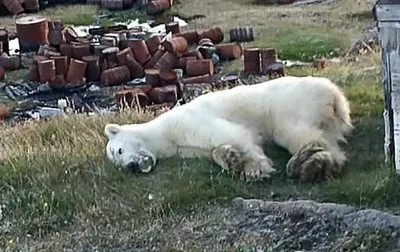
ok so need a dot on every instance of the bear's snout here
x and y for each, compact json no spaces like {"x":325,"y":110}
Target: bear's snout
{"x":133,"y":166}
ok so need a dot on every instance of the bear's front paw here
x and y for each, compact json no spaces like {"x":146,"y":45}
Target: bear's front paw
{"x":257,"y":169}
{"x":229,"y":158}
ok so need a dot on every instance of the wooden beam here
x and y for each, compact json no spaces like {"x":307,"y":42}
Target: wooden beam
{"x":387,"y":12}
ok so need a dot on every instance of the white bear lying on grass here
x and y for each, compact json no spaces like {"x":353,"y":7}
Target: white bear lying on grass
{"x":309,"y":116}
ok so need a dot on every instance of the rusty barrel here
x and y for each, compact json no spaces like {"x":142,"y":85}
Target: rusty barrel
{"x":183,"y":61}
{"x":57,"y":81}
{"x":80,"y":50}
{"x":167,"y":60}
{"x":192,"y":37}
{"x":69,"y":34}
{"x":153,"y":77}
{"x":121,"y":55}
{"x":66,"y":50}
{"x":12,"y":62}
{"x":132,"y":97}
{"x":172,"y":27}
{"x":32,"y":32}
{"x":110,"y":54}
{"x":92,"y":67}
{"x":61,"y":63}
{"x":2,"y":73}
{"x":251,"y":60}
{"x":135,"y":69}
{"x":159,"y":95}
{"x":140,"y":50}
{"x":194,"y":53}
{"x":47,"y":70}
{"x":153,"y":44}
{"x":13,"y":6}
{"x":76,"y":70}
{"x":31,"y":5}
{"x":229,"y":51}
{"x":197,"y":79}
{"x":241,"y":34}
{"x":4,"y":40}
{"x":215,"y":34}
{"x":177,"y":45}
{"x":268,"y":57}
{"x":157,"y":6}
{"x":154,"y":59}
{"x":199,"y":67}
{"x":34,"y":73}
{"x":168,"y":76}
{"x":112,"y":4}
{"x":115,"y":76}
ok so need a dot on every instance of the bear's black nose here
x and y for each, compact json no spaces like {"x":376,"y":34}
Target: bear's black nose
{"x":133,"y":166}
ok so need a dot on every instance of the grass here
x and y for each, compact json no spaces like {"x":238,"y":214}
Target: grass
{"x":55,"y":178}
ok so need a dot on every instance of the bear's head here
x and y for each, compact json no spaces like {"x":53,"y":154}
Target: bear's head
{"x":127,"y":148}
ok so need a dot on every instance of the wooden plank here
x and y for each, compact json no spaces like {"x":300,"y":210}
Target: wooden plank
{"x":387,"y":138}
{"x":386,"y":12}
{"x":397,"y":151}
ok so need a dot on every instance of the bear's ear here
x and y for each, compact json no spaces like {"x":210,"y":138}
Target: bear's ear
{"x":111,"y":130}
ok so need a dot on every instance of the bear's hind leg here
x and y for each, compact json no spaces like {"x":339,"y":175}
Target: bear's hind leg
{"x":314,"y":158}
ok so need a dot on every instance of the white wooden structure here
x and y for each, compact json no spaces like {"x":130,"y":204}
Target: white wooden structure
{"x":387,"y":17}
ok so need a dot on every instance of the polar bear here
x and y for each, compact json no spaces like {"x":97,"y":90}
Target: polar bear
{"x":309,"y":116}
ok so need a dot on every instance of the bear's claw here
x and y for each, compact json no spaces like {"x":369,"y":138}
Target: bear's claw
{"x":229,"y":158}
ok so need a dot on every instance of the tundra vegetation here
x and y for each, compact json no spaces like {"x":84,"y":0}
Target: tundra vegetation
{"x":58,"y":189}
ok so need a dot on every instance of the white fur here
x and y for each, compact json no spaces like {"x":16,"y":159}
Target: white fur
{"x":289,"y":111}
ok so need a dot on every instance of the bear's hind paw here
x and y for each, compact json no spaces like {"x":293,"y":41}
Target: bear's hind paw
{"x":257,"y":169}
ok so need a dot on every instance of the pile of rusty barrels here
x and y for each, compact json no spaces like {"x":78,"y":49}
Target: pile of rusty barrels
{"x":163,"y":62}
{"x":16,"y":6}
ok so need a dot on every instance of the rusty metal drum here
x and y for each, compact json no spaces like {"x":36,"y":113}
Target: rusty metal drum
{"x":115,"y":76}
{"x":61,"y":63}
{"x":47,"y":70}
{"x":241,"y":34}
{"x":252,"y":61}
{"x":32,"y":32}
{"x":199,"y":67}
{"x":13,"y":6}
{"x":4,"y":39}
{"x":76,"y":70}
{"x":92,"y":67}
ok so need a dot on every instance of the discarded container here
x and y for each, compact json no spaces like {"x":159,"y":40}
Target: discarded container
{"x":153,"y":61}
{"x":47,"y":70}
{"x":32,"y":32}
{"x":168,"y":60}
{"x":38,"y":58}
{"x":183,"y":60}
{"x":104,"y":65}
{"x":4,"y":112}
{"x":165,"y":94}
{"x":145,"y":88}
{"x":13,"y":6}
{"x":241,"y":34}
{"x":252,"y":60}
{"x":229,"y":51}
{"x":140,"y":50}
{"x":112,"y":4}
{"x":268,"y":57}
{"x":57,"y":81}
{"x":177,"y":45}
{"x":66,"y":50}
{"x":157,"y":6}
{"x":132,"y":97}
{"x":56,"y":37}
{"x":10,"y":63}
{"x":70,"y":34}
{"x":80,"y":50}
{"x":206,"y":42}
{"x":4,"y":40}
{"x":194,"y":53}
{"x":34,"y":73}
{"x":43,"y":48}
{"x":92,"y":67}
{"x":108,"y":41}
{"x":153,"y":77}
{"x":192,"y":37}
{"x":2,"y":73}
{"x":115,"y":76}
{"x":172,"y":27}
{"x":61,"y":63}
{"x":31,"y":5}
{"x":98,"y":51}
{"x":121,"y":55}
{"x":199,"y":67}
{"x":135,"y":69}
{"x":215,"y":34}
{"x":207,"y":78}
{"x":153,"y":44}
{"x":110,"y":54}
{"x":168,"y":77}
{"x":76,"y":70}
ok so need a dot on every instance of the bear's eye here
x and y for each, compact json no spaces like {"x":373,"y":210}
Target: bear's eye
{"x":119,"y":151}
